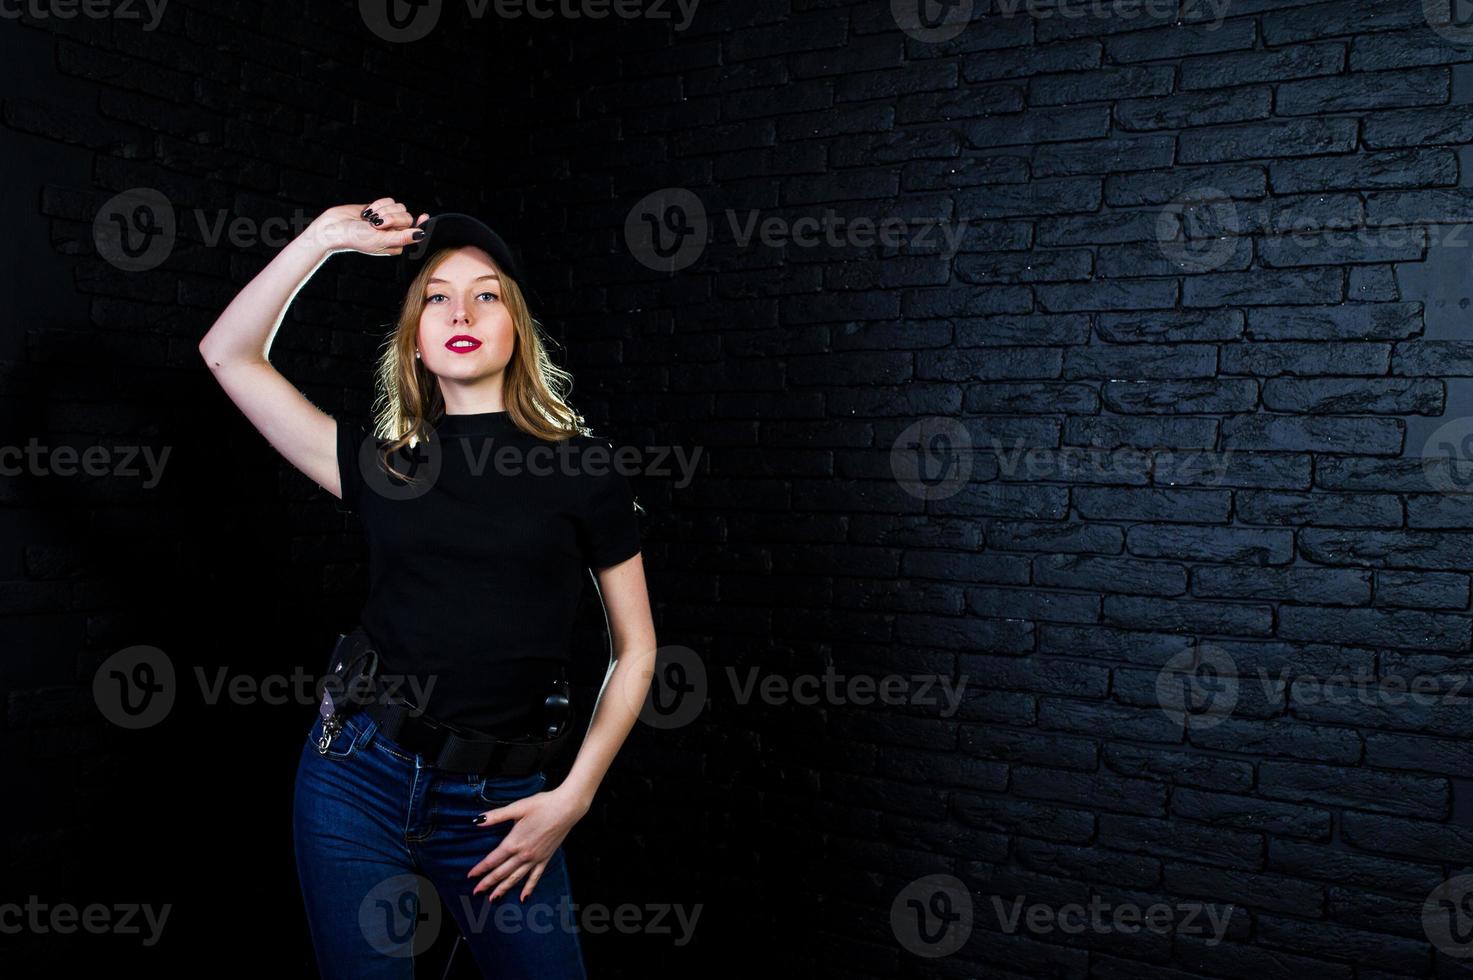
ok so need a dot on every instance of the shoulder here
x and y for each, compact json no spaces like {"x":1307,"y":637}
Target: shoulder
{"x":591,"y":446}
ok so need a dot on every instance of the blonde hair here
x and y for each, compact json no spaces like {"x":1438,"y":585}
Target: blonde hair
{"x":408,"y":394}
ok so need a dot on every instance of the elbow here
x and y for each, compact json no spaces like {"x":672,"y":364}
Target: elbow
{"x":211,"y":357}
{"x":216,"y":356}
{"x":208,"y":347}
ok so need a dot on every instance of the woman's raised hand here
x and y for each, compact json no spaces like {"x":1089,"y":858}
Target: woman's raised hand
{"x":384,"y":227}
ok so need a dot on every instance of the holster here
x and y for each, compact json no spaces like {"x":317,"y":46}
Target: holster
{"x":351,"y":681}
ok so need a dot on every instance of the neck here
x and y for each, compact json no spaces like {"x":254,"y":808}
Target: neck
{"x":475,"y":398}
{"x":475,"y":423}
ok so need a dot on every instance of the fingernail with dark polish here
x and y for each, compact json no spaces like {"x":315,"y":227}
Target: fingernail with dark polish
{"x":418,"y":234}
{"x":366,"y":211}
{"x":480,"y":819}
{"x":376,"y":220}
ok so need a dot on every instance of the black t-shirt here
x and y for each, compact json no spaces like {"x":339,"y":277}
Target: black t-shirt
{"x":476,"y":569}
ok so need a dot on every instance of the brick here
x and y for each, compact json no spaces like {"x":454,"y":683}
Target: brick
{"x":1180,"y":40}
{"x":1175,"y":839}
{"x":1417,"y":839}
{"x":1238,"y":546}
{"x":1123,"y":575}
{"x":1178,"y":768}
{"x":1099,"y":791}
{"x":1172,"y":397}
{"x":1371,"y":90}
{"x":1287,"y":433}
{"x":1336,"y":19}
{"x":1358,"y":789}
{"x":1418,"y":128}
{"x":1165,"y":361}
{"x":1366,"y":171}
{"x":1110,"y":644}
{"x":1250,"y":813}
{"x":1345,"y":867}
{"x":1238,"y":182}
{"x":1436,"y":358}
{"x":1352,"y":396}
{"x":1075,"y":538}
{"x":1003,"y":603}
{"x":1194,"y":109}
{"x":1014,"y":745}
{"x":1333,"y":509}
{"x":1260,"y":141}
{"x":1422,"y":590}
{"x":1142,"y":433}
{"x":1298,"y":61}
{"x":1031,"y":330}
{"x":1232,"y":469}
{"x":1425,"y":550}
{"x":1106,"y":84}
{"x":1329,"y":586}
{"x":1185,"y":326}
{"x":1266,"y":360}
{"x":1152,"y":504}
{"x":1264,"y":288}
{"x":1383,"y":627}
{"x":1236,"y":619}
{"x":1293,"y":739}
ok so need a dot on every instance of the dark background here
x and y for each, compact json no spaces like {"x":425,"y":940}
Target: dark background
{"x":1282,"y":398}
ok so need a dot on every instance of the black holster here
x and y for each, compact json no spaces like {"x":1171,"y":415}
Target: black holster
{"x":350,"y":683}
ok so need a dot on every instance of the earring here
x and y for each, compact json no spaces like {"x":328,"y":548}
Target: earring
{"x":416,"y":355}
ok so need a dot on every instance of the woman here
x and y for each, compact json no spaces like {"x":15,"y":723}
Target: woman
{"x":476,"y":559}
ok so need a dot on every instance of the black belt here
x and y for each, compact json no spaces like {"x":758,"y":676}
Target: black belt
{"x":455,"y":749}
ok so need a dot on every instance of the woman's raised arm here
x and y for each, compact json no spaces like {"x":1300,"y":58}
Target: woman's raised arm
{"x":237,"y":347}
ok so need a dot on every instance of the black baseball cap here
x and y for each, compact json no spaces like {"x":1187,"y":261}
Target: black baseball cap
{"x":453,"y":230}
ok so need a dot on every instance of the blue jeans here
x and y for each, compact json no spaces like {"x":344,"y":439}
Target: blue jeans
{"x":383,"y":843}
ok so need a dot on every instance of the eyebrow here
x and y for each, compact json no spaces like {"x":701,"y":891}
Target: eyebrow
{"x":477,"y":279}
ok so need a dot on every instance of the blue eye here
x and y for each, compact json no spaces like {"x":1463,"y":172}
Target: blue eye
{"x":434,"y":296}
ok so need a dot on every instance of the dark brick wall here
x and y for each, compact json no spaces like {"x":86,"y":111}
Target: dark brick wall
{"x":1188,"y":400}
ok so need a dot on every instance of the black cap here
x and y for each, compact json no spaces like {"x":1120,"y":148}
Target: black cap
{"x":453,"y":230}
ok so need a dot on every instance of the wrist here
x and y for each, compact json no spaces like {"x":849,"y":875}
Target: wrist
{"x":314,"y":241}
{"x":577,"y":796}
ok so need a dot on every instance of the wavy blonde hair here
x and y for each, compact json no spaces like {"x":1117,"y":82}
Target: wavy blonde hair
{"x":408,"y":399}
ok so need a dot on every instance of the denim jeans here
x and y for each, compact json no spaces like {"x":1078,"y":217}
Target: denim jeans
{"x":383,"y":844}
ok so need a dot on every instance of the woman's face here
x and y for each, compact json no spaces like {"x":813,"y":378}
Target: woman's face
{"x":465,"y":332}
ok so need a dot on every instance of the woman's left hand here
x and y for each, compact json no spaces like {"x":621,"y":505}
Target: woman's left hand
{"x":542,"y":821}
